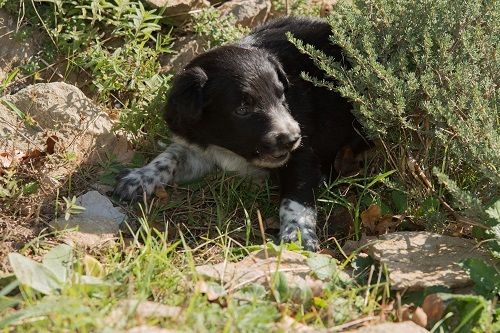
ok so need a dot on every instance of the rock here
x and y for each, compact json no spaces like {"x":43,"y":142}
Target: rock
{"x":178,"y":11}
{"x":247,"y":13}
{"x":99,"y":223}
{"x":185,"y":48}
{"x":417,"y":260}
{"x":56,"y":112}
{"x":14,"y":51}
{"x":257,"y":269}
{"x":405,"y":326}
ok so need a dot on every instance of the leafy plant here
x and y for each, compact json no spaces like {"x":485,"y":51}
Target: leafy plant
{"x":422,"y":78}
{"x":298,"y":7}
{"x":71,"y":208}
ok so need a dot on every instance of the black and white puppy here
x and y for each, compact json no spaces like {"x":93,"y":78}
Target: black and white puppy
{"x":244,"y":107}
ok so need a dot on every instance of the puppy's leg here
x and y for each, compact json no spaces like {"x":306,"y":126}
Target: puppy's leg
{"x":176,"y":164}
{"x":298,"y":179}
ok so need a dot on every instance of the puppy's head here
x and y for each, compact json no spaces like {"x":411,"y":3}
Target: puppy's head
{"x":234,"y":98}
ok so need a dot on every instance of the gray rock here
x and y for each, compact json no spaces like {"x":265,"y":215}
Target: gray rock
{"x":54,"y":109}
{"x":185,"y":49}
{"x":99,"y":223}
{"x":417,"y":260}
{"x":405,"y":326}
{"x":178,"y":11}
{"x":248,"y":13}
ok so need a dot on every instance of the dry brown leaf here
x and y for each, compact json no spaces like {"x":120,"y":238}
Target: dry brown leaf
{"x":378,"y":224}
{"x":31,"y":155}
{"x":415,"y":314}
{"x":50,"y":144}
{"x":8,"y":159}
{"x":434,"y":308}
{"x":162,"y":195}
{"x":419,"y":317}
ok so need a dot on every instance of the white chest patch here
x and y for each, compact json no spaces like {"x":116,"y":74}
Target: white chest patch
{"x":225,"y":159}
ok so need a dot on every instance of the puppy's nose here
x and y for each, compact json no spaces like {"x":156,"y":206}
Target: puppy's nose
{"x":287,"y":140}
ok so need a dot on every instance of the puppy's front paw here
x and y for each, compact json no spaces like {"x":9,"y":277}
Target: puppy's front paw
{"x":132,"y":183}
{"x":295,"y":218}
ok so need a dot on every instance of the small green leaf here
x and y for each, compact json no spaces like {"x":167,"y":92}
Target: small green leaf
{"x":33,"y":274}
{"x":324,"y":267}
{"x":92,"y":266}
{"x":281,"y":289}
{"x":59,"y":261}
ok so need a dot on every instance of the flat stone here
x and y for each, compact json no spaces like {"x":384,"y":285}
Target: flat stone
{"x":99,"y":223}
{"x":403,"y":327}
{"x":416,"y":260}
{"x":185,"y":49}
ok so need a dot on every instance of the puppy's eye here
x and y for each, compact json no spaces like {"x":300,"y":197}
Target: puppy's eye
{"x":242,"y":111}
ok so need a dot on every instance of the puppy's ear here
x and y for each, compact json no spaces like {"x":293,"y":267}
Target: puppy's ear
{"x":280,"y":71}
{"x":185,"y":100}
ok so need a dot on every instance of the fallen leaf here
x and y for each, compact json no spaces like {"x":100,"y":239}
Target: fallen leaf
{"x":31,"y":155}
{"x":434,"y":307}
{"x":419,"y":317}
{"x":351,"y":246}
{"x":378,"y":224}
{"x":370,"y":217}
{"x":415,"y":314}
{"x":162,"y":195}
{"x":50,"y":144}
{"x":8,"y":159}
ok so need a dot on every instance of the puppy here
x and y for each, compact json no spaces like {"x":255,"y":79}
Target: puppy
{"x":244,"y":107}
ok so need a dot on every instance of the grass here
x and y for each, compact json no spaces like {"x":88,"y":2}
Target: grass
{"x":110,"y":50}
{"x":153,"y":266}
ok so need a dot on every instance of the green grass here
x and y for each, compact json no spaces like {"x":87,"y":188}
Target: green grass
{"x":154,"y":268}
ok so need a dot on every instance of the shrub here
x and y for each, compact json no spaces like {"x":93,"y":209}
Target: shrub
{"x":424,"y":81}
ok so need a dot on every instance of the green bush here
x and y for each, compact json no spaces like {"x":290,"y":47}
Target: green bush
{"x":424,"y":81}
